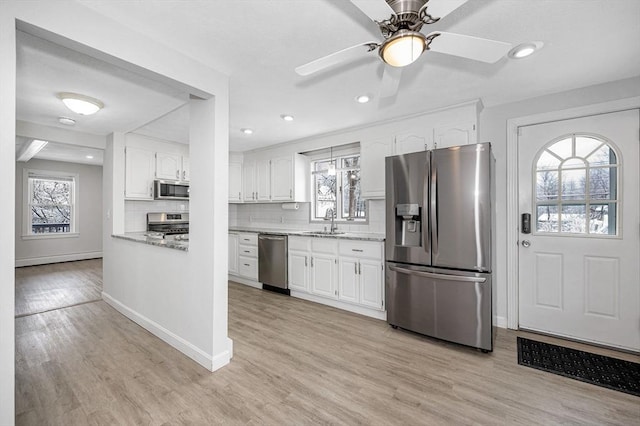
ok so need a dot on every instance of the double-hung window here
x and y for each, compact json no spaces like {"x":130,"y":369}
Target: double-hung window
{"x":49,"y":203}
{"x":336,"y":189}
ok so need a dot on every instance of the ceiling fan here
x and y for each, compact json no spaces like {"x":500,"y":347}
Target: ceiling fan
{"x":405,"y":39}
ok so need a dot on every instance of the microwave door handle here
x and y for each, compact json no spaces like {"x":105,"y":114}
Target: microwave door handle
{"x":437,"y":276}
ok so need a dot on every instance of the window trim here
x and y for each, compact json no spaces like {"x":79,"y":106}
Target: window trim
{"x":323,"y":155}
{"x":74,"y":227}
{"x":587,"y":200}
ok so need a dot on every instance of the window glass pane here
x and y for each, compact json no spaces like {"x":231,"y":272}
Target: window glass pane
{"x":574,"y":163}
{"x":563,"y":148}
{"x":325,"y":194}
{"x":548,"y":161}
{"x":574,"y":219}
{"x":602,"y":183}
{"x":547,"y":219}
{"x":602,"y":157}
{"x":585,"y":145}
{"x":602,"y":219}
{"x":50,"y":192}
{"x":48,"y":219}
{"x":547,"y":185}
{"x":352,"y":205}
{"x":574,"y":184}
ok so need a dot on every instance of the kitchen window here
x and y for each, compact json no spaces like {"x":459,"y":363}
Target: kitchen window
{"x":336,"y":189}
{"x":49,"y":204}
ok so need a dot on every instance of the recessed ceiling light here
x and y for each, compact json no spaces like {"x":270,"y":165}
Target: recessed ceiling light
{"x":81,"y":104}
{"x":363,"y":99}
{"x":287,"y":117}
{"x":90,"y":157}
{"x":525,"y":49}
{"x":66,"y":121}
{"x":247,"y":131}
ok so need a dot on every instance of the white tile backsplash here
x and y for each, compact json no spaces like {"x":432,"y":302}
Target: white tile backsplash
{"x":135,"y":212}
{"x":273,"y":216}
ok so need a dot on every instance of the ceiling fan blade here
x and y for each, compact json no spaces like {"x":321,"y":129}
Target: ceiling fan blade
{"x":441,"y":8}
{"x":478,"y":49}
{"x":344,"y":55}
{"x":377,"y":10}
{"x":390,"y":81}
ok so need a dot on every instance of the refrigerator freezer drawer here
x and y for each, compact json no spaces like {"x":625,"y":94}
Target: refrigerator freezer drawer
{"x":450,"y":305}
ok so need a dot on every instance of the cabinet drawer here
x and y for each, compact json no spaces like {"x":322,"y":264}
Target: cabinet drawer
{"x":369,"y":249}
{"x":248,"y":239}
{"x":299,"y":243}
{"x":248,"y":267}
{"x":247,"y":251}
{"x":324,"y":245}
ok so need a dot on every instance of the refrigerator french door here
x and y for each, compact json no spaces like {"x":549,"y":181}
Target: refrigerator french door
{"x":439,"y":243}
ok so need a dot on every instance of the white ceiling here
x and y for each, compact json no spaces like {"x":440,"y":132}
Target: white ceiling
{"x":258,"y":44}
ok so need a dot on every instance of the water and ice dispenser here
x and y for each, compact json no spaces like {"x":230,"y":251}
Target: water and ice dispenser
{"x":408,"y":217}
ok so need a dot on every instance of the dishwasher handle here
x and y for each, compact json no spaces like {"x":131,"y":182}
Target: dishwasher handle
{"x":437,"y":276}
{"x":272,"y":237}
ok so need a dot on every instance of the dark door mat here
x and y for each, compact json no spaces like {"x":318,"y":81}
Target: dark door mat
{"x":612,"y":373}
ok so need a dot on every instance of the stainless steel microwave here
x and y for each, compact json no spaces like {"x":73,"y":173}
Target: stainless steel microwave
{"x":167,"y":190}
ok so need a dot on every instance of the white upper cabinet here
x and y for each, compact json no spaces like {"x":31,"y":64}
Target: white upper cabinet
{"x":235,"y":180}
{"x":139,"y":174}
{"x":372,"y":155}
{"x":455,"y":134}
{"x":186,"y":168}
{"x":168,"y":166}
{"x":276,"y":179}
{"x":410,"y":142}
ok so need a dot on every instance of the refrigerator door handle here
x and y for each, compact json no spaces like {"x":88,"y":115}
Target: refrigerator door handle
{"x":438,"y":276}
{"x":434,"y":212}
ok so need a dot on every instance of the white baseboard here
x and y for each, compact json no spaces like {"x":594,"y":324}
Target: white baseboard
{"x":31,"y":261}
{"x":501,"y":322}
{"x":245,"y":281}
{"x":372,"y":313}
{"x":187,"y":348}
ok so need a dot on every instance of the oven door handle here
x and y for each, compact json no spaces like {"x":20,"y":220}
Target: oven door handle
{"x":437,"y":276}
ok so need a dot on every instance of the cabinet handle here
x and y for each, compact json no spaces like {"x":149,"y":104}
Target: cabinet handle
{"x":305,"y":261}
{"x":239,"y":196}
{"x":290,"y":193}
{"x":312,"y":261}
{"x":359,"y":268}
{"x":177,"y":174}
{"x":184,"y":175}
{"x":151,"y":190}
{"x":355,"y":268}
{"x":358,"y":250}
{"x":246,"y":251}
{"x":246,"y":264}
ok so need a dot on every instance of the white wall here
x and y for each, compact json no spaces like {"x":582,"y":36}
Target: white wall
{"x":88,"y":244}
{"x":493,"y":128}
{"x":77,"y":27}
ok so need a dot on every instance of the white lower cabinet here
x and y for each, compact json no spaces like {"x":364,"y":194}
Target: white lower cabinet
{"x":245,"y":261}
{"x":299,"y":263}
{"x":323,"y":272}
{"x":233,"y":254}
{"x":361,"y":273}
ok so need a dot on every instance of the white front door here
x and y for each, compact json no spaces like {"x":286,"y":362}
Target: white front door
{"x":579,"y":273}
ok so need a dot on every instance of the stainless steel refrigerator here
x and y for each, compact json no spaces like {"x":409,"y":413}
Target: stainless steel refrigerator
{"x":439,"y":243}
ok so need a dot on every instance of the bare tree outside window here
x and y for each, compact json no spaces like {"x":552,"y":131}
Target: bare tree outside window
{"x":338,"y":194}
{"x":51,"y":207}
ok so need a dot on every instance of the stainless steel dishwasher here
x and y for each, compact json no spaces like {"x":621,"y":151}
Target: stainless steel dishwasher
{"x":272,"y":262}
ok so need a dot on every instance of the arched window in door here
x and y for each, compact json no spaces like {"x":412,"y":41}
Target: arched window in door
{"x":576,"y":187}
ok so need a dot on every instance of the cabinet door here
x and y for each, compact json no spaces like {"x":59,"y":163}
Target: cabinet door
{"x":299,"y":270}
{"x":370,"y":273}
{"x":455,"y":135}
{"x":282,"y":179}
{"x":348,"y":280}
{"x":233,"y":254}
{"x":235,"y":182}
{"x":249,"y":181}
{"x":323,"y":275}
{"x":410,"y":143}
{"x":263,"y":180}
{"x":372,"y":155}
{"x":168,"y":166}
{"x":186,"y":168}
{"x":139,"y":173}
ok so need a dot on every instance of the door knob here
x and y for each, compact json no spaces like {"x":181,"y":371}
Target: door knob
{"x":526,"y":243}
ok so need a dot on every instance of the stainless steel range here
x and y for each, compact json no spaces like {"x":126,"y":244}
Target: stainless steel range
{"x":175,"y":225}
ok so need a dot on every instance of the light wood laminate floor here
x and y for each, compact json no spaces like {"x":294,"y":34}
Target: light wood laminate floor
{"x":295,"y":363}
{"x":46,"y":287}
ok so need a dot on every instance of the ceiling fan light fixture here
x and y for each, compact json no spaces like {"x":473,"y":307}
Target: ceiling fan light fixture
{"x":80,"y":104}
{"x":525,"y":49}
{"x":403,"y":48}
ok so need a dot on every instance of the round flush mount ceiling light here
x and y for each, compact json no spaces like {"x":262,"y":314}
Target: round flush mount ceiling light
{"x":403,"y":48}
{"x":525,"y":49}
{"x":287,"y":117}
{"x":66,"y":121}
{"x":363,"y":99}
{"x":247,"y":131}
{"x":80,"y":104}
{"x":89,"y":157}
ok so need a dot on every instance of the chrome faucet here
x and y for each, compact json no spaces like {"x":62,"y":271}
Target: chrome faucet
{"x":334,"y":226}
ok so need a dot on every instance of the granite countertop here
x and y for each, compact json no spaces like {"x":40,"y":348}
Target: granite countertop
{"x":364,"y":236}
{"x":140,"y":237}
